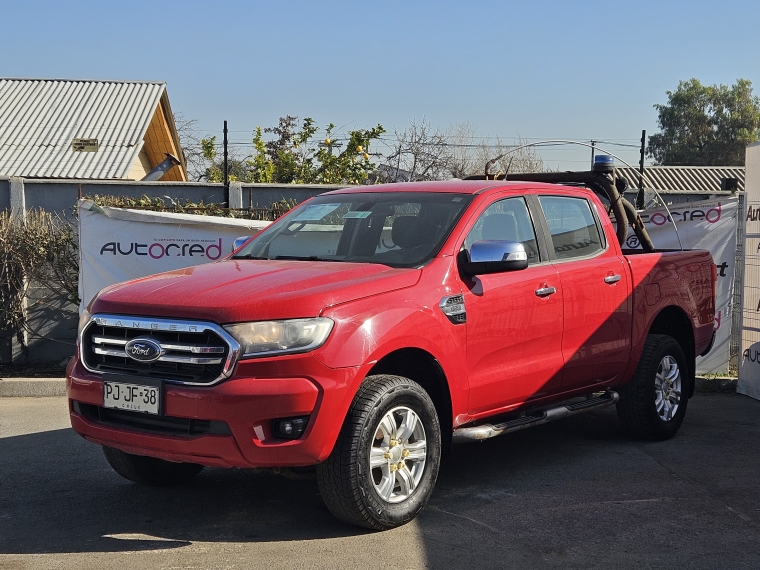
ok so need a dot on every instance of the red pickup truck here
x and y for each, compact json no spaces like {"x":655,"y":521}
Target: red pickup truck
{"x":371,"y":327}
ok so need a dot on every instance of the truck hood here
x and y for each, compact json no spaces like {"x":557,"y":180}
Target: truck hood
{"x":251,"y":290}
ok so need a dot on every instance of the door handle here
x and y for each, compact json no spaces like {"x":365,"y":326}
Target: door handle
{"x":610,"y":279}
{"x":545,"y":291}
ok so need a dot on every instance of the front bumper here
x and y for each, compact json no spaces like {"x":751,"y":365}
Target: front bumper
{"x":258,"y":392}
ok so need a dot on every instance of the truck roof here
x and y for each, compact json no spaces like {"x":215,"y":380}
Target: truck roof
{"x":452,"y":186}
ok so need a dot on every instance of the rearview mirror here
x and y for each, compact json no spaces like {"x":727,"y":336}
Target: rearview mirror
{"x":492,"y":256}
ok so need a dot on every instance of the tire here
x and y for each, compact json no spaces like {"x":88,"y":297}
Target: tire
{"x":662,"y":371}
{"x":381,"y":474}
{"x":150,"y":470}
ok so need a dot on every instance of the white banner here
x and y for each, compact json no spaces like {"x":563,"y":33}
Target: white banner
{"x":118,"y":244}
{"x":709,"y":225}
{"x":749,"y":360}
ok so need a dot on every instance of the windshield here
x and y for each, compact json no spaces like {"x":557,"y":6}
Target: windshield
{"x":399,"y":229}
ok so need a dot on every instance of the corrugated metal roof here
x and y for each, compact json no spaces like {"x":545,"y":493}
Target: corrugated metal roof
{"x":684,"y":179}
{"x":40,"y":117}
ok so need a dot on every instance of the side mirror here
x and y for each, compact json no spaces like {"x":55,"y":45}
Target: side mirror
{"x":492,"y":256}
{"x":239,"y":242}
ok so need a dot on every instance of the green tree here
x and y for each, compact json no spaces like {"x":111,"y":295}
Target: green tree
{"x":297,"y":156}
{"x":236,"y":169}
{"x":352,"y":165}
{"x":262,"y":169}
{"x":290,"y":155}
{"x":705,"y":125}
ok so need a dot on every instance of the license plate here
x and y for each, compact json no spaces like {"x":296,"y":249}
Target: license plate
{"x":132,"y":397}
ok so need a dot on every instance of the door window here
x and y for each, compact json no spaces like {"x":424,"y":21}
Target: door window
{"x":506,"y":220}
{"x":572,"y":226}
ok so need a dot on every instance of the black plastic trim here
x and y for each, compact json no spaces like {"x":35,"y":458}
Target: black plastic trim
{"x":165,"y":425}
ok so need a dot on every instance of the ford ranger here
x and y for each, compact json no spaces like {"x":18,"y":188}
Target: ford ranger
{"x":371,"y":327}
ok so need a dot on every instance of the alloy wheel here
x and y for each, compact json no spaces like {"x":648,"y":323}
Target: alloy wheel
{"x":398,"y":455}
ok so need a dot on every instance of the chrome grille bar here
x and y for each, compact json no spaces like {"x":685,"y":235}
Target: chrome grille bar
{"x":163,"y":358}
{"x":109,"y":352}
{"x":98,"y":339}
{"x":189,"y":359}
{"x":194,"y":348}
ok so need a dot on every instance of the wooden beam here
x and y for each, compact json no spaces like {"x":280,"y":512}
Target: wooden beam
{"x":159,"y":140}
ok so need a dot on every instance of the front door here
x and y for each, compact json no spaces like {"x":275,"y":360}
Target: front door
{"x":514,"y":318}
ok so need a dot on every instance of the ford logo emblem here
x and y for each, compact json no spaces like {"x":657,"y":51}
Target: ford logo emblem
{"x":143,"y":349}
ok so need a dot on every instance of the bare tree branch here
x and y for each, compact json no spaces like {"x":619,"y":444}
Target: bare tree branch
{"x":418,"y":153}
{"x":421,"y":152}
{"x":191,"y":147}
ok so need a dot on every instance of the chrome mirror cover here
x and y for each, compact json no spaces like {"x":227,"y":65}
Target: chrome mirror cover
{"x":239,"y":242}
{"x":494,"y":256}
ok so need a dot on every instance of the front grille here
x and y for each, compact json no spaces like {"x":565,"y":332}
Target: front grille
{"x":155,"y":424}
{"x":194,"y":353}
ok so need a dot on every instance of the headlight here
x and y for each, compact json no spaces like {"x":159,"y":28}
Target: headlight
{"x":265,"y":338}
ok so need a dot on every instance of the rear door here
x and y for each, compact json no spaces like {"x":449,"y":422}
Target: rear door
{"x":596,"y":292}
{"x":514,"y":334}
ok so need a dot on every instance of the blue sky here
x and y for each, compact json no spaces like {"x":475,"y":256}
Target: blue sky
{"x":542,"y":69}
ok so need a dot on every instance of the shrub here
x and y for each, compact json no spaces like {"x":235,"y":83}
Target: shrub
{"x":167,"y":204}
{"x":40,"y":251}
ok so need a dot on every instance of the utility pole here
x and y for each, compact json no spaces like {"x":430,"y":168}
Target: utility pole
{"x":226,"y":169}
{"x":640,"y":195}
{"x":593,"y":152}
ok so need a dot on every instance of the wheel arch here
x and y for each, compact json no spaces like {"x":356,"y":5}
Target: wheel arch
{"x":674,"y":322}
{"x":422,"y":367}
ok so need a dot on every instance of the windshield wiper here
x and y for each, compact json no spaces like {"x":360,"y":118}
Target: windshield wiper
{"x":247,"y":256}
{"x":304,"y":258}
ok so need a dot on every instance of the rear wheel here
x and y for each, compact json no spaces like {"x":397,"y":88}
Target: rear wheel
{"x":653,"y":404}
{"x":383,"y":468}
{"x":150,"y":470}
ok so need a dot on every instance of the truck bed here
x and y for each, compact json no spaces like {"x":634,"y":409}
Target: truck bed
{"x":681,"y":282}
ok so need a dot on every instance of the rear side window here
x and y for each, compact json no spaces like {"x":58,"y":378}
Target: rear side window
{"x":572,"y":226}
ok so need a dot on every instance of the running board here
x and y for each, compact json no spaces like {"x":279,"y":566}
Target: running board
{"x":485,"y":431}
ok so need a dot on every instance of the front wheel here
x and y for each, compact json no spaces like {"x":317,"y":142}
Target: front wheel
{"x":383,"y":468}
{"x":653,"y":404}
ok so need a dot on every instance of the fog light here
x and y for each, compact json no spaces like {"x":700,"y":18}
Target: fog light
{"x":290,"y":428}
